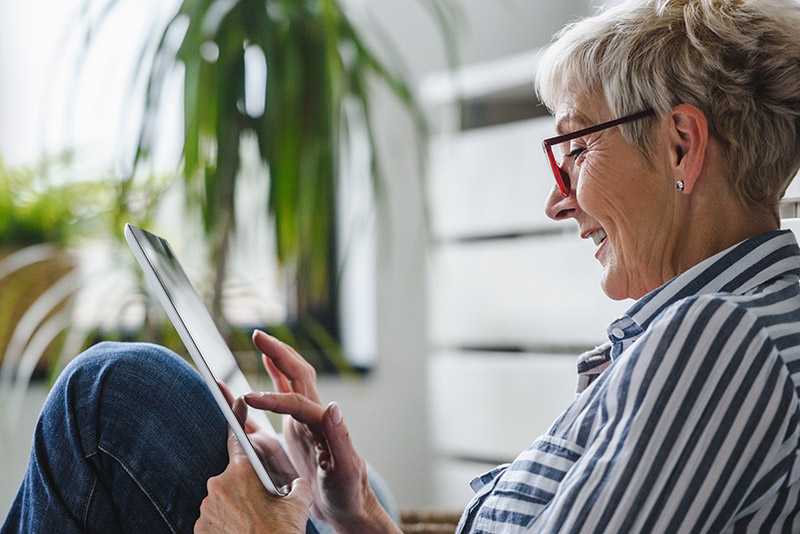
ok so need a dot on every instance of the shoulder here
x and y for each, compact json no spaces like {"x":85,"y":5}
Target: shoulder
{"x":706,"y":369}
{"x":726,"y":321}
{"x":699,"y":343}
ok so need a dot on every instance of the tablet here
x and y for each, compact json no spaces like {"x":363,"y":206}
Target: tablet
{"x":212,"y":356}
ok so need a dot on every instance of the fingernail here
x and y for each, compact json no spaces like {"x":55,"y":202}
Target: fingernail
{"x":336,"y":413}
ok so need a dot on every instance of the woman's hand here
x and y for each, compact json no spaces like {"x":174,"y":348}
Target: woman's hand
{"x":237,"y":501}
{"x":319,"y":443}
{"x":266,"y":444}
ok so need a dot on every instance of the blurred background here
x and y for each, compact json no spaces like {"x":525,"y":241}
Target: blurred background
{"x":362,"y":178}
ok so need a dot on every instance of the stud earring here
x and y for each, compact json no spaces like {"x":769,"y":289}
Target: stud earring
{"x":679,"y":185}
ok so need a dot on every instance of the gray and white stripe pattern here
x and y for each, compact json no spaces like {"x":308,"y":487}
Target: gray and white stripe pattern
{"x":693,"y":425}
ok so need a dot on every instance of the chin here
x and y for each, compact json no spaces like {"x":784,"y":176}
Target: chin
{"x":614,"y":289}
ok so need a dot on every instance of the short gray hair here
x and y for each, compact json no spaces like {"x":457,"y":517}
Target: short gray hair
{"x":738,"y":61}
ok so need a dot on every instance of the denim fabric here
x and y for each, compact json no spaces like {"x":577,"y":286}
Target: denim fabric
{"x":125,"y":442}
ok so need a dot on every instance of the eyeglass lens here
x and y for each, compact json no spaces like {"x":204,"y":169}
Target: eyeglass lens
{"x":561,"y":152}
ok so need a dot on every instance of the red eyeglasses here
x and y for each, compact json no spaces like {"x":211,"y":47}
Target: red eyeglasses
{"x":562,"y":145}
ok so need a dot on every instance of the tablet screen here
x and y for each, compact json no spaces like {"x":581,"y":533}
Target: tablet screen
{"x":211,"y":354}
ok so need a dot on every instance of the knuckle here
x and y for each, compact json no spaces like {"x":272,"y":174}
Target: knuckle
{"x":212,"y":485}
{"x":308,"y":376}
{"x":204,"y":506}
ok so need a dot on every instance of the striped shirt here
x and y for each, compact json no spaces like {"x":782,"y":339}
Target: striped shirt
{"x":689,"y":418}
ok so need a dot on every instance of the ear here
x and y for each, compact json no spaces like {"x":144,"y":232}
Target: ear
{"x":687,"y":136}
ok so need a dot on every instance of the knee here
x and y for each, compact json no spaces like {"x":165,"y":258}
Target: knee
{"x":116,"y":353}
{"x":131,"y":362}
{"x":131,"y":411}
{"x":139,"y":372}
{"x":119,"y":387}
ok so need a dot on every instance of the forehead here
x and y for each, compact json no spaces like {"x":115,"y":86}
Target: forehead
{"x":575,"y":111}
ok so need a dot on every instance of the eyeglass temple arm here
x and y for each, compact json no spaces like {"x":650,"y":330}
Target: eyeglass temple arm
{"x":592,"y":129}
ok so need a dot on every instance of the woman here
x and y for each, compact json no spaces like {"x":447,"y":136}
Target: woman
{"x":680,"y":131}
{"x":680,"y":125}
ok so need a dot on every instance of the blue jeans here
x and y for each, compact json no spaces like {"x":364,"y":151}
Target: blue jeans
{"x":125,"y":442}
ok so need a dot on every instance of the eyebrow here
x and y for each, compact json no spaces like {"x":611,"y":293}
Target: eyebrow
{"x":575,"y":118}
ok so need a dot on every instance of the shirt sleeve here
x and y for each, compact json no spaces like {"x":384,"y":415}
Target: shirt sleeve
{"x":697,"y":427}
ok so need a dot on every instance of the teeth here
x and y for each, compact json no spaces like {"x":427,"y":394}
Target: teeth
{"x":598,"y":236}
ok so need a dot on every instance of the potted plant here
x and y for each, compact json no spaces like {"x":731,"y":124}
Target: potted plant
{"x":314,"y":60}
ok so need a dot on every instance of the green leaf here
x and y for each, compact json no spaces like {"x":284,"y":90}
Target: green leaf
{"x":316,"y":60}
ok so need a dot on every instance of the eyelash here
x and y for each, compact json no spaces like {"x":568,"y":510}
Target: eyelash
{"x":575,"y":153}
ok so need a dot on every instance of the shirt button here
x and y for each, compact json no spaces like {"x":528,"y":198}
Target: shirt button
{"x":618,"y":333}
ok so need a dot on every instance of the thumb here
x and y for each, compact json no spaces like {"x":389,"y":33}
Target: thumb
{"x":343,"y":454}
{"x":235,"y":450}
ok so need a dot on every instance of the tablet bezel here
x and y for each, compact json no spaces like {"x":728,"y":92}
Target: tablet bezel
{"x":138,"y":239}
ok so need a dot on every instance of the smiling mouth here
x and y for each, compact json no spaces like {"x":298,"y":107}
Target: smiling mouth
{"x":598,"y":236}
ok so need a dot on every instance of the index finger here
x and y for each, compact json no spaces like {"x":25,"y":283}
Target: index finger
{"x":298,"y":406}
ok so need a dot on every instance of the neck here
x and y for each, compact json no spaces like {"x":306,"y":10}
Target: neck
{"x":716,"y":226}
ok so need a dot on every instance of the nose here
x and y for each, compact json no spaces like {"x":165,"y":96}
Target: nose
{"x":558,"y":207}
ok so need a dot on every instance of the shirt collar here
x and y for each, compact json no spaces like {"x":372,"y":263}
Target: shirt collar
{"x":736,"y":270}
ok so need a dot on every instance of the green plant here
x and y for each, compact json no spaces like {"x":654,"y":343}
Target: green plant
{"x":39,"y":276}
{"x":315,"y":61}
{"x":34,"y":211}
{"x":317,"y":65}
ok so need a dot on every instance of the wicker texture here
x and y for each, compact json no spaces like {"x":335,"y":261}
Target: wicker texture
{"x":429,"y":523}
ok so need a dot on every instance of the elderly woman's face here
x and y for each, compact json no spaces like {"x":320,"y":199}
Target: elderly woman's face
{"x":618,"y":201}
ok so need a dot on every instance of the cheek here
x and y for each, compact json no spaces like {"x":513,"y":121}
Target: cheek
{"x":596,"y":192}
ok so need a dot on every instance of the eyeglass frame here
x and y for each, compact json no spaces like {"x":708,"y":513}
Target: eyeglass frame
{"x":548,"y":144}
